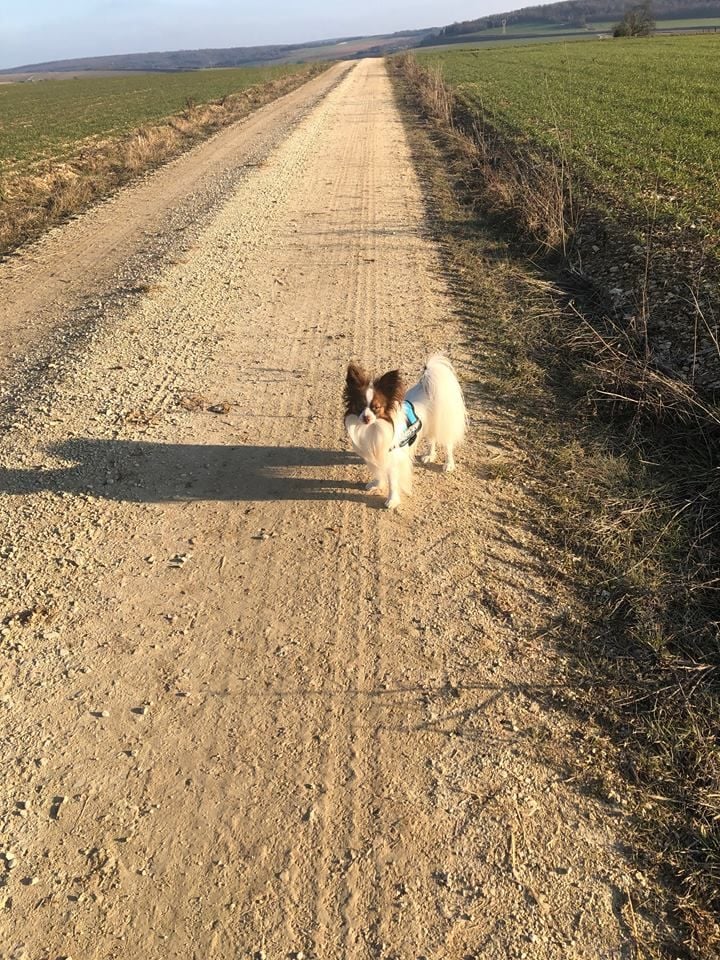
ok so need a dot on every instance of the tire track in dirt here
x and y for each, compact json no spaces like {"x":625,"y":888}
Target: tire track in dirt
{"x":359,"y":911}
{"x":306,"y":884}
{"x":338,"y":777}
{"x":283,"y":720}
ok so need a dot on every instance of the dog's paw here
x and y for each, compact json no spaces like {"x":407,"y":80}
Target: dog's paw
{"x":373,"y":485}
{"x":428,"y":458}
{"x":392,"y":503}
{"x":449,"y":467}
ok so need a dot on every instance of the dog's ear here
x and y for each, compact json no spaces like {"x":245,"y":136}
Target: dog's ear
{"x":356,"y":376}
{"x":391,"y":385}
{"x":356,"y":383}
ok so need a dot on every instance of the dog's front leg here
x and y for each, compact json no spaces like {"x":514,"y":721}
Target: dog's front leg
{"x":393,"y":482}
{"x":449,"y":465}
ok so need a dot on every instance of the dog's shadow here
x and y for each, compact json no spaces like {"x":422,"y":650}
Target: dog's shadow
{"x":136,"y":471}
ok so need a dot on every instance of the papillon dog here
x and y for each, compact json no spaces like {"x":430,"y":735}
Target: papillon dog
{"x":385,"y":424}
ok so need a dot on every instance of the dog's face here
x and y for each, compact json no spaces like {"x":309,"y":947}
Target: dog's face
{"x":370,"y":400}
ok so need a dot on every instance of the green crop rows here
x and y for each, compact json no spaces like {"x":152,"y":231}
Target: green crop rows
{"x":637,"y":117}
{"x":49,"y":119}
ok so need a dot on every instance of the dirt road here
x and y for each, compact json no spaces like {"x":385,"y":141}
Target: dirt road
{"x":245,"y":712}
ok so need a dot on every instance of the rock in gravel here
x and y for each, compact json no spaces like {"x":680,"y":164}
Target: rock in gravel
{"x":57,"y":805}
{"x":179,"y":560}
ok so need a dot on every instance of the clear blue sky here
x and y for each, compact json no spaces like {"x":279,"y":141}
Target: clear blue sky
{"x":32,"y":31}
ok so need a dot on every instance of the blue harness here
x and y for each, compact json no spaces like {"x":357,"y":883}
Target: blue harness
{"x":413,"y":426}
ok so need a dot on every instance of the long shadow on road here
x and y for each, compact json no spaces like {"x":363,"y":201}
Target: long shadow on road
{"x":140,"y":472}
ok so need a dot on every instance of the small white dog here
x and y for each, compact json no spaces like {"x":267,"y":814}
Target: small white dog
{"x":384,"y":423}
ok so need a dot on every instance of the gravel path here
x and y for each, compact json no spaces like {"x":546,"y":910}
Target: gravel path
{"x":245,"y":713}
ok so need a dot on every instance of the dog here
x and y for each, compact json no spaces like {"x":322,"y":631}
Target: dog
{"x":385,"y":424}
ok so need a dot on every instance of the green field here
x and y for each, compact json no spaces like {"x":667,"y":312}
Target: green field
{"x":552,"y":31}
{"x":633,"y":114}
{"x":49,"y":119}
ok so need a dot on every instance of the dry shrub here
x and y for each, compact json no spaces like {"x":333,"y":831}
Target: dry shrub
{"x":148,"y":147}
{"x":430,"y":87}
{"x":620,"y":362}
{"x":69,"y":194}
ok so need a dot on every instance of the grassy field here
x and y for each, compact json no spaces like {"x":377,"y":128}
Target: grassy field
{"x":634,"y":116}
{"x":538,"y":30}
{"x":552,"y":31}
{"x":51,"y":119}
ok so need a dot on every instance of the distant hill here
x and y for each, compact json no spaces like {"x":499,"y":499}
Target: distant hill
{"x":342,"y":48}
{"x":577,"y":13}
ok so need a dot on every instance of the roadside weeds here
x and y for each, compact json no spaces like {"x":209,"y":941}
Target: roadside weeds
{"x":622,"y":459}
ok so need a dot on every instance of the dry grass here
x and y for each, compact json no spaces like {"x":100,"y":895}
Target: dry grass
{"x":536,"y":189}
{"x":623,"y":457}
{"x":620,"y":364}
{"x":31,"y":203}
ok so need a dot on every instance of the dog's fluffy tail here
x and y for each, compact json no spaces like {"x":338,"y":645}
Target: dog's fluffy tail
{"x":442,"y":389}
